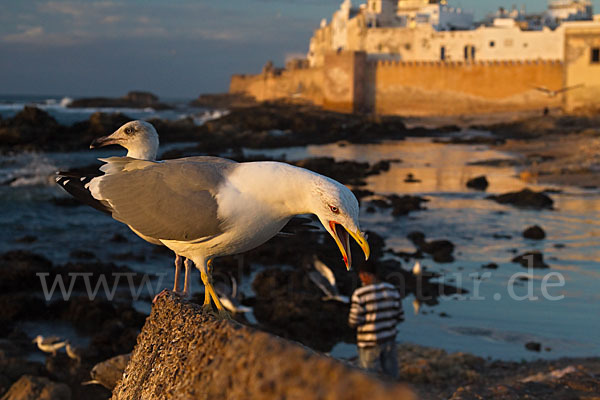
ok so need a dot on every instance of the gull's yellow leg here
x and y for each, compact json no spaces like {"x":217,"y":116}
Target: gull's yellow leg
{"x":206,"y":292}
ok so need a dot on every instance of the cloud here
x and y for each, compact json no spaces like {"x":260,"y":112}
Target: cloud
{"x":28,"y":35}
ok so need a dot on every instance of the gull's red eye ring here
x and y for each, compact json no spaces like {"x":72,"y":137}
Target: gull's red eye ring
{"x":334,"y":209}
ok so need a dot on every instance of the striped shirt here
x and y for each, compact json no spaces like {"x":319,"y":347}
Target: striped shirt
{"x":375,"y":311}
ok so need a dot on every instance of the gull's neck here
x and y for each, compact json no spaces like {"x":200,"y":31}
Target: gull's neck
{"x":287,"y":188}
{"x":146,"y":149}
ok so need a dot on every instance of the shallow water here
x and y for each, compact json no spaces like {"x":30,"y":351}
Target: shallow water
{"x":488,"y":326}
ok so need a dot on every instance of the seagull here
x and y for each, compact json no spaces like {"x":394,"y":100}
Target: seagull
{"x":141,"y":141}
{"x":109,"y":372}
{"x":323,"y":277}
{"x":228,"y":296}
{"x":72,"y":352}
{"x":416,"y":269}
{"x":207,"y":207}
{"x":553,"y":93}
{"x":50,"y":344}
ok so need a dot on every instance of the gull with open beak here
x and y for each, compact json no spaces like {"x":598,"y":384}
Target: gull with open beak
{"x":208,"y":207}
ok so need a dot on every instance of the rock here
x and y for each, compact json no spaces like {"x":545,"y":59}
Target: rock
{"x":440,"y":249}
{"x":534,"y":232}
{"x":533,"y":259}
{"x":410,"y":178}
{"x":490,"y":266}
{"x":37,"y":388}
{"x":130,"y":100}
{"x":533,"y":346}
{"x":26,"y":239}
{"x":478,"y":183}
{"x":402,"y":205}
{"x":526,"y":198}
{"x":185,"y":353}
{"x":346,"y":172}
{"x":223,"y":101}
{"x":29,"y":127}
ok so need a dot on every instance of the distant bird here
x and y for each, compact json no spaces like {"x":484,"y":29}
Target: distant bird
{"x":553,"y":93}
{"x":324,"y":279}
{"x":109,"y":372}
{"x":207,"y":207}
{"x":50,"y":344}
{"x":73,"y":353}
{"x":228,"y":294}
{"x":416,"y":269}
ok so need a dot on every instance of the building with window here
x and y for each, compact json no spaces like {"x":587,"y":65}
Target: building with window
{"x":423,"y":57}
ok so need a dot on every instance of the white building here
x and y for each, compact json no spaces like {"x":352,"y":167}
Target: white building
{"x":432,"y":30}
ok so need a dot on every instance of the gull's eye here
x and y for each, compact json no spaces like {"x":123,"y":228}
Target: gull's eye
{"x":129,"y":131}
{"x":334,"y":209}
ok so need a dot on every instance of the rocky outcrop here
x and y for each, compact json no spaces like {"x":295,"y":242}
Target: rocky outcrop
{"x":526,"y":198}
{"x":183,"y":353}
{"x":37,"y":388}
{"x":130,"y":100}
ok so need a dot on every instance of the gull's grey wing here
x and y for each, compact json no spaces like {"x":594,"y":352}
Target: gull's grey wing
{"x":169,"y":200}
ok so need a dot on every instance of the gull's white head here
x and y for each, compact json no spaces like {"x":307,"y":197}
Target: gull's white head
{"x":138,"y":137}
{"x":337,"y":209}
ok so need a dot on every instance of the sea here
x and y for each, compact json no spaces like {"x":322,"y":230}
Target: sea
{"x":505,"y":308}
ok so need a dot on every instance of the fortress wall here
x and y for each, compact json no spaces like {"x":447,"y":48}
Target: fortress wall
{"x":426,"y":88}
{"x":303,"y":84}
{"x":583,"y":74}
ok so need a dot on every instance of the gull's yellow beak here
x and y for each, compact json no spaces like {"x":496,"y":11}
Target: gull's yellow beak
{"x":342,"y":239}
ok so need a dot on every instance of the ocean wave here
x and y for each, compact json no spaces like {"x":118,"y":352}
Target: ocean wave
{"x":28,"y":169}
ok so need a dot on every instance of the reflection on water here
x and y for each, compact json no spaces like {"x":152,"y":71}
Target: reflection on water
{"x":482,"y":230}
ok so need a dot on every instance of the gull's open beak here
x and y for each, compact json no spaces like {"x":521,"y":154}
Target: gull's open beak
{"x":342,"y":238}
{"x":104,"y":141}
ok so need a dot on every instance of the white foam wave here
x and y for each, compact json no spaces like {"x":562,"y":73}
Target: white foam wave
{"x":28,"y":169}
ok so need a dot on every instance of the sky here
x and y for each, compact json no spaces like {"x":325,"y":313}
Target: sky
{"x":176,"y":48}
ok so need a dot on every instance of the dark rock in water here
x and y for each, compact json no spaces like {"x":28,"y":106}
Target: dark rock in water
{"x":526,"y":198}
{"x":361,"y":193}
{"x":534,"y":232}
{"x":82,"y":254}
{"x":18,"y":269}
{"x":402,"y":205}
{"x":533,"y":346}
{"x":31,"y":126}
{"x":381,"y":166}
{"x":66,"y":202}
{"x":478,"y":183}
{"x":501,"y":236}
{"x":26,"y":239}
{"x":440,"y":249}
{"x":223,"y":100}
{"x":410,"y":178}
{"x":346,"y":172}
{"x":118,"y":238}
{"x":490,"y":266}
{"x":533,"y":259}
{"x":130,"y":100}
{"x":37,"y":388}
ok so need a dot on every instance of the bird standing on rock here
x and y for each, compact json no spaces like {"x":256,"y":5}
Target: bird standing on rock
{"x":50,"y":344}
{"x":207,"y":207}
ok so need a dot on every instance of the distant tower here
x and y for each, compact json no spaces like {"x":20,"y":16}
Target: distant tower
{"x":385,"y":7}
